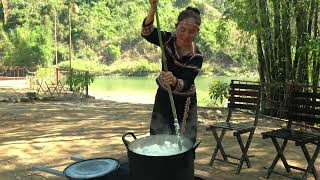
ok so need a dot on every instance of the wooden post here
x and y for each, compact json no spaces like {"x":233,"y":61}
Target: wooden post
{"x":57,"y":75}
{"x":17,"y":69}
{"x":5,"y":9}
{"x":69,"y":27}
{"x":55,"y":37}
{"x":87,"y":85}
{"x":71,"y":74}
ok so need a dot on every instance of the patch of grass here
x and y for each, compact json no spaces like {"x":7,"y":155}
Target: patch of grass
{"x":94,"y":67}
{"x":143,"y":67}
{"x":134,"y":68}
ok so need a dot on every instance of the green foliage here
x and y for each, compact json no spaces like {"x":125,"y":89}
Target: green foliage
{"x":218,"y":91}
{"x":242,"y":12}
{"x":86,"y":53}
{"x":2,"y":13}
{"x":206,"y":69}
{"x":312,"y":44}
{"x":46,"y":74}
{"x":6,"y":47}
{"x":124,"y":68}
{"x":135,"y":68}
{"x":30,"y":47}
{"x":95,"y":67}
{"x":182,"y":3}
{"x":222,"y":34}
{"x":101,"y":33}
{"x":113,"y":53}
{"x":207,"y":42}
{"x":79,"y":80}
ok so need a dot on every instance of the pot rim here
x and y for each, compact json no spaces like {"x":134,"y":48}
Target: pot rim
{"x":187,"y":143}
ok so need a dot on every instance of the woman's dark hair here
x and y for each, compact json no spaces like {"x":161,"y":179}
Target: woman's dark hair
{"x":190,"y":12}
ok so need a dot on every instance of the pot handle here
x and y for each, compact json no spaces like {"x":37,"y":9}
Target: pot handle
{"x":194,"y":147}
{"x":196,"y":144}
{"x":126,"y":142}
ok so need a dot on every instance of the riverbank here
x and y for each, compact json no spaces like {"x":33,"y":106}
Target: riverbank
{"x":15,"y":89}
{"x":136,"y":98}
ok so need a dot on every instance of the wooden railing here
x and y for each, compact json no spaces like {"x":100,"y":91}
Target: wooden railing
{"x":275,"y":96}
{"x":59,"y":81}
{"x":15,"y":72}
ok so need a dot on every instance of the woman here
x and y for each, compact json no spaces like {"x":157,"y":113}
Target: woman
{"x":184,"y":62}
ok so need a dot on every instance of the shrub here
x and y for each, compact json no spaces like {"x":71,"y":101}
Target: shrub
{"x":79,"y":80}
{"x":218,"y":91}
{"x":113,"y":53}
{"x":135,"y":68}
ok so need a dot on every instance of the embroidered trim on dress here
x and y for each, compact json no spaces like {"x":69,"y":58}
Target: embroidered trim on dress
{"x":175,"y":60}
{"x":179,"y":86}
{"x":193,"y":50}
{"x":188,"y":92}
{"x":185,"y":115}
{"x":147,"y":28}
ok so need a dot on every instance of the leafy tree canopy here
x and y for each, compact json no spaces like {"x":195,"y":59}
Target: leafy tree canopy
{"x":101,"y":24}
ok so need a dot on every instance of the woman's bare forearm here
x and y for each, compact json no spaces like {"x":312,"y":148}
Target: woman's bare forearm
{"x":150,"y":16}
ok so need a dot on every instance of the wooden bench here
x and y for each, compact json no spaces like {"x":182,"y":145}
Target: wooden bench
{"x":303,"y":108}
{"x":243,"y":95}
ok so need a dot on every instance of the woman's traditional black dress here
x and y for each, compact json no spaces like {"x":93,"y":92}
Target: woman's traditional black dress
{"x":185,"y":69}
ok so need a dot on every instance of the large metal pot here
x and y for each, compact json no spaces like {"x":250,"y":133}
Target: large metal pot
{"x":173,"y":166}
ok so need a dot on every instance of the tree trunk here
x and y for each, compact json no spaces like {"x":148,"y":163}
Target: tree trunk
{"x":315,"y":55}
{"x":301,"y":62}
{"x":276,"y":69}
{"x":267,"y":38}
{"x":5,"y":6}
{"x":286,"y":38}
{"x":310,"y":18}
{"x":260,"y":59}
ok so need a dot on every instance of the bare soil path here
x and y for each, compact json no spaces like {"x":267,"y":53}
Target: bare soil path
{"x":49,"y":132}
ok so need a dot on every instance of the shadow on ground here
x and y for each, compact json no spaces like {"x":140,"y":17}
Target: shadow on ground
{"x":49,"y":132}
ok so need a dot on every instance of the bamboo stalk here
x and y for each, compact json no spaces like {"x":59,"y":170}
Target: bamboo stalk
{"x":5,"y":6}
{"x":164,"y":62}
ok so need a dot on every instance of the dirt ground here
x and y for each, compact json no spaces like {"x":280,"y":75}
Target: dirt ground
{"x":49,"y":132}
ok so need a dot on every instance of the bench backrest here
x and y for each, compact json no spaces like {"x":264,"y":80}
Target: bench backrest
{"x":304,"y":107}
{"x":244,"y":95}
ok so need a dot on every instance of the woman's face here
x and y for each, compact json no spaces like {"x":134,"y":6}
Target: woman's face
{"x":186,"y":31}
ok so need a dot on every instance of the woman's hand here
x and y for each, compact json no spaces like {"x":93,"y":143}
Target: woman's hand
{"x":168,"y":78}
{"x":153,"y":2}
{"x":152,"y":11}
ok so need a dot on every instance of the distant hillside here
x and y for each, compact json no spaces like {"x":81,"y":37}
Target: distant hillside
{"x":109,"y":30}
